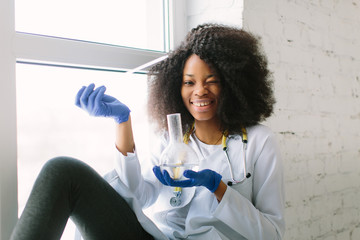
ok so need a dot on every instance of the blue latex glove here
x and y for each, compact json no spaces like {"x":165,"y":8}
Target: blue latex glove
{"x":97,"y":103}
{"x":206,"y":178}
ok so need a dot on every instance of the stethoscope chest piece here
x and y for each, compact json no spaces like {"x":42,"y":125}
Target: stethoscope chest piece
{"x":175,"y":201}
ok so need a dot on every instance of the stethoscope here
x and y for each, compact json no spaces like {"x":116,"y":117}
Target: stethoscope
{"x":176,"y":200}
{"x":224,"y":145}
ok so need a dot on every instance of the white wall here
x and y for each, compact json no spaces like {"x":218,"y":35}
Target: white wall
{"x":205,"y":11}
{"x":314,"y":52}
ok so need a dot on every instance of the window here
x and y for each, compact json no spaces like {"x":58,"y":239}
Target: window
{"x":53,"y":59}
{"x":49,"y":123}
{"x":137,"y":24}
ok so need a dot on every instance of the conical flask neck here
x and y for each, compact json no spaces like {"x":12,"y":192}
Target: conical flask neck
{"x":175,"y":128}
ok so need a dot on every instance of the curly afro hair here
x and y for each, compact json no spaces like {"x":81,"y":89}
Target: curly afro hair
{"x":236,"y":56}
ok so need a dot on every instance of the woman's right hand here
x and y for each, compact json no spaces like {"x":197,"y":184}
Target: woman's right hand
{"x":97,"y":103}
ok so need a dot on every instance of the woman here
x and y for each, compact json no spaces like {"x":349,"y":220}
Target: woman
{"x":218,"y":80}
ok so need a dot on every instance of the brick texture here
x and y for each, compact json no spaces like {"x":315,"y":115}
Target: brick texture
{"x":314,"y":53}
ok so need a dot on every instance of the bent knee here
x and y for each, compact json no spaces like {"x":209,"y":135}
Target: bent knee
{"x":67,"y":166}
{"x":61,"y":161}
{"x":61,"y":165}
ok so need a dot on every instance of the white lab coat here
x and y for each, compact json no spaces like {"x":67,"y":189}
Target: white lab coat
{"x":253,"y":209}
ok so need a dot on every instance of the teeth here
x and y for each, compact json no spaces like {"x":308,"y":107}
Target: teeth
{"x":201,"y":104}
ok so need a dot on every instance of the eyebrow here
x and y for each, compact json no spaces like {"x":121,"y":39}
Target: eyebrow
{"x":192,"y":75}
{"x":189,"y":75}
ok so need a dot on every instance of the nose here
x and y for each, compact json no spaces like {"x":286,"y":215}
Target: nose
{"x":200,"y":90}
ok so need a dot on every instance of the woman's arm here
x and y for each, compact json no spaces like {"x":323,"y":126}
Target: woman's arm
{"x":129,"y":170}
{"x":220,"y":191}
{"x":124,"y":139}
{"x":97,"y":103}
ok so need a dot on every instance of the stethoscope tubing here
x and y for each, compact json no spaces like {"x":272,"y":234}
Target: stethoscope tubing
{"x":225,"y":149}
{"x":246,"y":174}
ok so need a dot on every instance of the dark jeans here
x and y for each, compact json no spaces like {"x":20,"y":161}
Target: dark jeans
{"x":67,"y":188}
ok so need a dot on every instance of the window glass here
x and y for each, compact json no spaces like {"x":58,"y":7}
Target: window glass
{"x":49,"y":123}
{"x":136,"y":23}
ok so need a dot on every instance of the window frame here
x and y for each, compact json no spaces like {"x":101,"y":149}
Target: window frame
{"x":8,"y":150}
{"x":55,"y":51}
{"x":38,"y":49}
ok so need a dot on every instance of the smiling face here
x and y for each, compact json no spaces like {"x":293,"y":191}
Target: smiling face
{"x":200,"y":89}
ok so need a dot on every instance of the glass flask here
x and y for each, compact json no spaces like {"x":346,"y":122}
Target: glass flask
{"x":177,"y":156}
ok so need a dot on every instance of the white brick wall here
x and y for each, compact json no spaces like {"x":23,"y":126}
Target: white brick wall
{"x":313,"y":48}
{"x":314,"y":52}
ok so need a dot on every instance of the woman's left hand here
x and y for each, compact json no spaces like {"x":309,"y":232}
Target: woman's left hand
{"x":206,"y":178}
